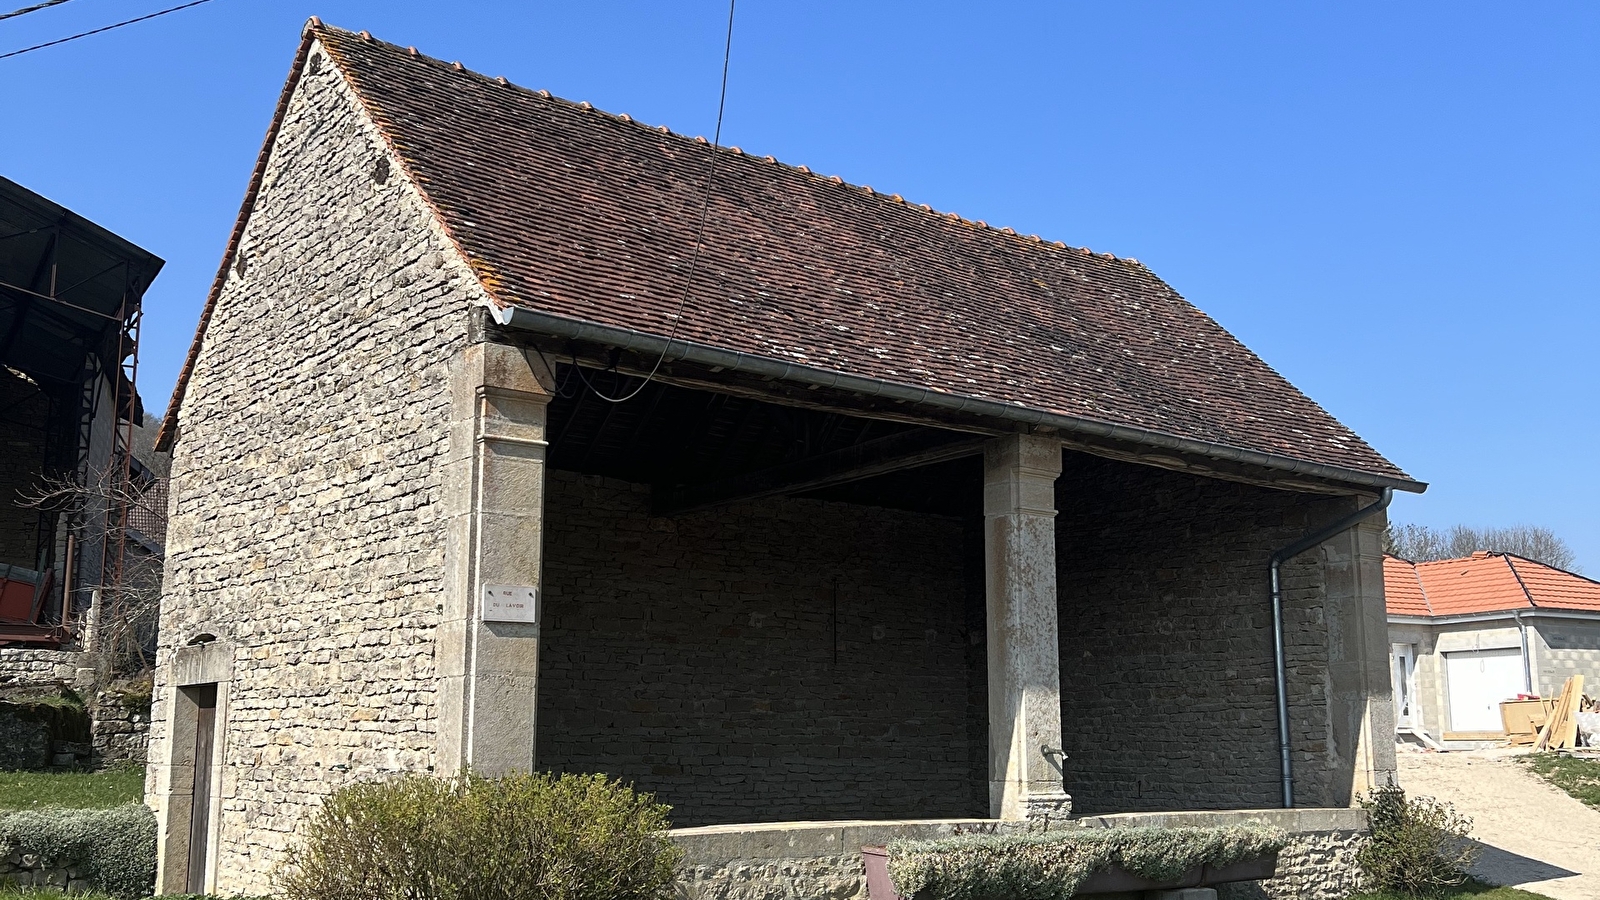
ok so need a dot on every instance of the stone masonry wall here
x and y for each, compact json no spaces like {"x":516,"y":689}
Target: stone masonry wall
{"x":1166,"y":640}
{"x":823,"y":861}
{"x":303,"y":530}
{"x":700,"y":657}
{"x":119,"y":729}
{"x":22,"y":667}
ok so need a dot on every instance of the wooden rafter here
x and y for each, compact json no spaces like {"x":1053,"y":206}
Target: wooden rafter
{"x":905,"y":450}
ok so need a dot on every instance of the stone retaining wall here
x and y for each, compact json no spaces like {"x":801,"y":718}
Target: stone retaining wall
{"x":26,"y":870}
{"x":822,"y":860}
{"x":38,"y":668}
{"x":119,"y":728}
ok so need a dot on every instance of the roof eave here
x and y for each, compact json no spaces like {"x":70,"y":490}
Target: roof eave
{"x":677,"y":349}
{"x":1495,"y":616}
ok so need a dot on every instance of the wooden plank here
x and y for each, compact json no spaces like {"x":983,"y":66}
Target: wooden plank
{"x":1569,"y":724}
{"x":1553,"y":734}
{"x":1474,"y":735}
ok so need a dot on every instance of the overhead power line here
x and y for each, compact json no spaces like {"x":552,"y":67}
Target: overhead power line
{"x":101,"y":30}
{"x":31,"y":9}
{"x":699,"y":235}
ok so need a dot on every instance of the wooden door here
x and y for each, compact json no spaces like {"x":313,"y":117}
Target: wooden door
{"x":205,"y":733}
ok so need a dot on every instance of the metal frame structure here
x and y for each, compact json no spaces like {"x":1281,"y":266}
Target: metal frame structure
{"x":71,"y":312}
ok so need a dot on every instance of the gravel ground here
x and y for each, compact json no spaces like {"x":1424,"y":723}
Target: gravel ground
{"x":1535,"y":837}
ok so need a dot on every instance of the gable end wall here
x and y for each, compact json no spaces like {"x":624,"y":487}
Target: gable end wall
{"x":304,"y":527}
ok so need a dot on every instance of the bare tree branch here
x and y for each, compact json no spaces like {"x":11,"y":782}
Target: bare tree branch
{"x":125,"y":616}
{"x":1420,"y":543}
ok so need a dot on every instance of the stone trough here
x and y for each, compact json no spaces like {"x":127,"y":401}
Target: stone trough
{"x":825,"y":860}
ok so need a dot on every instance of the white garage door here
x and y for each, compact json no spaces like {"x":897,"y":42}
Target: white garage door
{"x":1478,"y":681}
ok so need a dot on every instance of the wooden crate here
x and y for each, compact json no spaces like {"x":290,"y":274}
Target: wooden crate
{"x":1524,"y":718}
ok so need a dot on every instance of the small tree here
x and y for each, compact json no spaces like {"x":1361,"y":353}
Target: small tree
{"x":1420,"y":847}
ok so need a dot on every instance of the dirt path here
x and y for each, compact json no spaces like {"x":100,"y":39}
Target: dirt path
{"x":1535,"y":837}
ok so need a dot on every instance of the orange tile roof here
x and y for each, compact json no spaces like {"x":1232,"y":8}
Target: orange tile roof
{"x":1481,"y":583}
{"x":1402,"y":589}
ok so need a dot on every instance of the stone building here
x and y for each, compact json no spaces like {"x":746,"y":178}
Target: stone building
{"x":1466,"y":634}
{"x":912,"y":518}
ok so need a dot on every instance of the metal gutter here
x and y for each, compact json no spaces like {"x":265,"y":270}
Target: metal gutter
{"x":525,"y":319}
{"x":1467,"y":618}
{"x":1277,"y":560}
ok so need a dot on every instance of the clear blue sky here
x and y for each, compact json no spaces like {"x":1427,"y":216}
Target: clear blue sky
{"x":1396,"y":205}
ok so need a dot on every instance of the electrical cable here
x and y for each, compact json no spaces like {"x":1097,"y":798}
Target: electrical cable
{"x":84,"y":34}
{"x":30,"y":9}
{"x":699,"y":236}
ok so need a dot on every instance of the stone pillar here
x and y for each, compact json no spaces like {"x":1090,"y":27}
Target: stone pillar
{"x":493,"y":497}
{"x":1360,"y":695}
{"x":1025,"y":776}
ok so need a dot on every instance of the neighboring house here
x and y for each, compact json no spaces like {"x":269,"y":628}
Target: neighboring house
{"x":915,"y":518}
{"x":70,"y":295}
{"x":1469,"y":633}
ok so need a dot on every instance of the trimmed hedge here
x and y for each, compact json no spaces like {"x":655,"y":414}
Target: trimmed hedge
{"x":115,"y":847}
{"x":1051,"y":865}
{"x":520,"y":837}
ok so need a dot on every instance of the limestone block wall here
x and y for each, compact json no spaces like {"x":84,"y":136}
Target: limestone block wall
{"x":22,"y":667}
{"x":119,"y":729}
{"x":303,"y":530}
{"x":1166,"y":641}
{"x":777,"y":660}
{"x":805,"y":861}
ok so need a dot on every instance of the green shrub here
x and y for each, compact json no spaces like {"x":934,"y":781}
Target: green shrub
{"x":1051,"y":865}
{"x":1419,"y":847}
{"x":521,"y":837}
{"x":115,"y":847}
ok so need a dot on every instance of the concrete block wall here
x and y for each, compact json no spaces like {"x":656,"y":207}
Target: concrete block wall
{"x":304,"y":530}
{"x":702,"y":657}
{"x":1429,"y":675}
{"x":1166,"y":641}
{"x":1563,"y":648}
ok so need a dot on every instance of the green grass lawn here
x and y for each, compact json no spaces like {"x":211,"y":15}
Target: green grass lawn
{"x":75,"y":790}
{"x":1472,"y":890}
{"x":1578,"y":777}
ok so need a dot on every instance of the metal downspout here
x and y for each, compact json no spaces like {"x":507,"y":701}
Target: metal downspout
{"x":1278,"y":559}
{"x":1527,"y":661}
{"x":1522,"y":627}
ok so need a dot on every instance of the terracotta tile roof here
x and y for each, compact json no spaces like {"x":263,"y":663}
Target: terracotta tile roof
{"x":577,"y":213}
{"x":1402,"y":589}
{"x":1482,"y":583}
{"x":1552,"y":588}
